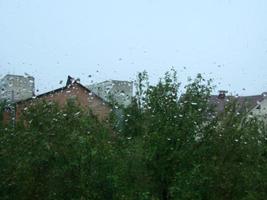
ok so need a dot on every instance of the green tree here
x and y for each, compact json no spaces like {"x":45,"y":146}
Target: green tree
{"x":56,"y":153}
{"x":167,"y":146}
{"x":191,"y":152}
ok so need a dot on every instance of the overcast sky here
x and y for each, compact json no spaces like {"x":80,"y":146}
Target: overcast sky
{"x":114,"y":39}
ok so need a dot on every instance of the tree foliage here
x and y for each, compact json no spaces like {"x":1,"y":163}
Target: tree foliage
{"x":167,"y":146}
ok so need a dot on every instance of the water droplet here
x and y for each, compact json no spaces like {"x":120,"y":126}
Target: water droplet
{"x":77,"y":113}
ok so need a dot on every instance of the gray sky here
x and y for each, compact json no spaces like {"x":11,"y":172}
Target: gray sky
{"x":114,"y":39}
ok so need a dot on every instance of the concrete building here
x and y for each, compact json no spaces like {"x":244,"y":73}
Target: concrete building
{"x":16,"y":88}
{"x":113,"y":90}
{"x":260,"y":109}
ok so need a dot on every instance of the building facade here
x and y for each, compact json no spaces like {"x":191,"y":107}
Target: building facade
{"x":72,"y":91}
{"x":260,"y":109}
{"x":120,"y":92}
{"x":254,"y":105}
{"x":15,"y":88}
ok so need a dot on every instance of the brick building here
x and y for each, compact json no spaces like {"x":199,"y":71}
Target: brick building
{"x":73,"y":90}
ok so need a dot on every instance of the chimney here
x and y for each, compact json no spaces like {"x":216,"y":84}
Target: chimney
{"x":222,"y":94}
{"x":70,"y":80}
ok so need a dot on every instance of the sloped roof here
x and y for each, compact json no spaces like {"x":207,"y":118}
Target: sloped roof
{"x":70,"y":81}
{"x":248,"y":102}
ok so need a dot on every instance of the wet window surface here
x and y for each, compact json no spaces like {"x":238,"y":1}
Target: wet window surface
{"x":127,"y":100}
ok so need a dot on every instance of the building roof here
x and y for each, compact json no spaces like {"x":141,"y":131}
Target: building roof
{"x":70,"y":81}
{"x":17,"y":76}
{"x":248,"y":102}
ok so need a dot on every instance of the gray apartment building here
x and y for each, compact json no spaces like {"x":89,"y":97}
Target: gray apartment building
{"x":15,"y":88}
{"x":113,"y":90}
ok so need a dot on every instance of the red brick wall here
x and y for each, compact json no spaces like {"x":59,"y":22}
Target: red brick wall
{"x":6,"y":117}
{"x":83,"y":97}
